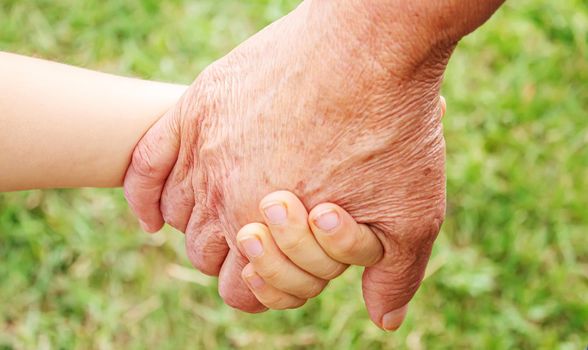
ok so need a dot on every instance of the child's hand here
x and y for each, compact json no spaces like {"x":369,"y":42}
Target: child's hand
{"x":292,"y":259}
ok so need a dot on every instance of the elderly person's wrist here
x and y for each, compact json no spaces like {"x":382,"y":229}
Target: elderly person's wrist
{"x":412,"y":34}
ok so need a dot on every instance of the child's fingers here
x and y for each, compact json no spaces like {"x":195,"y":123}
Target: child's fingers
{"x":287,"y":219}
{"x":268,"y":295}
{"x":342,"y":238}
{"x":256,"y":242}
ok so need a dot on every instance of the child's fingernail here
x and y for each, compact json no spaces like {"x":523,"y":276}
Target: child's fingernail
{"x":327,"y":220}
{"x":393,"y":319}
{"x":255,"y":281}
{"x":275,"y":213}
{"x":252,"y":247}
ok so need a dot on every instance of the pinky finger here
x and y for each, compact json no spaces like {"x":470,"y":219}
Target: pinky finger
{"x":267,"y":294}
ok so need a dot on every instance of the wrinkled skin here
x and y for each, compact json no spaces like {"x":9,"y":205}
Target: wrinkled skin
{"x":323,"y":113}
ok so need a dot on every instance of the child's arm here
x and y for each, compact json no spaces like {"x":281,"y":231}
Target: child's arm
{"x":62,"y":126}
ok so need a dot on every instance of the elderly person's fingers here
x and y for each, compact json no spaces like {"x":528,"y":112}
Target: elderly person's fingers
{"x":151,"y":163}
{"x":233,"y":289}
{"x":177,"y":201}
{"x":287,"y":219}
{"x":206,"y":246}
{"x":342,"y":238}
{"x":267,"y":294}
{"x":256,"y":242}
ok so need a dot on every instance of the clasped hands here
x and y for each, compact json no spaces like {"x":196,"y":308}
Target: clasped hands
{"x":316,"y":105}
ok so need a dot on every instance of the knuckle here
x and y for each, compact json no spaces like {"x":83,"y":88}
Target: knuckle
{"x":423,"y":233}
{"x":346,"y":247}
{"x":177,"y":207}
{"x":141,"y":161}
{"x":315,"y":289}
{"x":292,"y":244}
{"x":332,"y":271}
{"x":173,"y":220}
{"x":204,"y":266}
{"x":199,"y":263}
{"x":206,"y":256}
{"x":269,"y":271}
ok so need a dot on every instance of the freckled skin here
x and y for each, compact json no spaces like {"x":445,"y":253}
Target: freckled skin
{"x":342,"y":120}
{"x":371,"y":144}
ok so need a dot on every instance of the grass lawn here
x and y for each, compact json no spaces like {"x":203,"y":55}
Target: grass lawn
{"x":510,"y":269}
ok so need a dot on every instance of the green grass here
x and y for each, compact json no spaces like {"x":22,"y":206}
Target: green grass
{"x":510,"y":269}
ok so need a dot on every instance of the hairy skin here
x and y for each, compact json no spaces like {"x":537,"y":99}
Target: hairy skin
{"x":332,"y":114}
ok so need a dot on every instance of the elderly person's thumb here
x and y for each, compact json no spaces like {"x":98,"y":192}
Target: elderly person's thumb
{"x":389,"y":285}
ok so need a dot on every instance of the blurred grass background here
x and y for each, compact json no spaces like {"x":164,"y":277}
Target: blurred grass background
{"x":510,"y":269}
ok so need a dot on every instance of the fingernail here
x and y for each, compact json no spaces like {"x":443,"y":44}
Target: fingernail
{"x":255,"y":281}
{"x":252,"y":247}
{"x":144,"y":226}
{"x":393,"y":319}
{"x":276,"y":213}
{"x":327,"y":220}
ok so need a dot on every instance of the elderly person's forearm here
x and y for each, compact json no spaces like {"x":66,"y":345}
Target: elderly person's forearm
{"x":421,"y":30}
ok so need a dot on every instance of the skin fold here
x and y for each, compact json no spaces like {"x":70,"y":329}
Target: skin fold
{"x":337,"y":102}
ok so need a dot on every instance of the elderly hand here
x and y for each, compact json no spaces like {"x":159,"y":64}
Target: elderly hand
{"x":336,"y":102}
